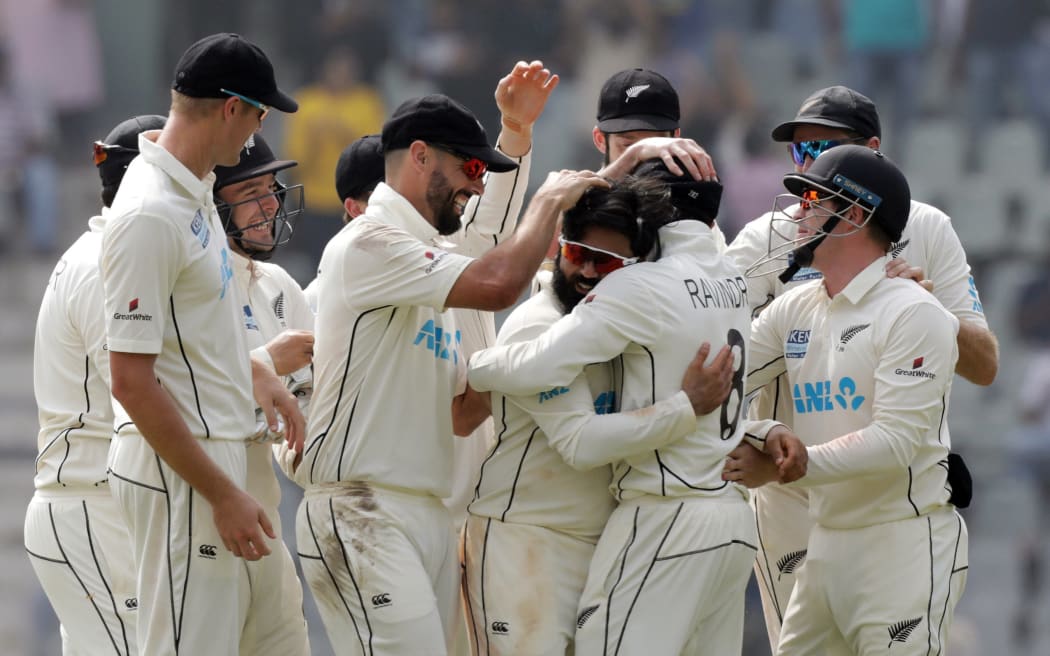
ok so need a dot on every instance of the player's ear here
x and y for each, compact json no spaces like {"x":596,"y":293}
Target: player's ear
{"x":599,"y":140}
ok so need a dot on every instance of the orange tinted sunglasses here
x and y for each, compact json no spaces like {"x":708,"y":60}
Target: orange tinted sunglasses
{"x":472,"y":167}
{"x":102,"y":151}
{"x":603,"y":261}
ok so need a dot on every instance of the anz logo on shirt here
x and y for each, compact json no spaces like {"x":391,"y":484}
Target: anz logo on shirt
{"x":977,"y":307}
{"x":445,"y":345}
{"x":225,"y":273}
{"x":818,"y":397}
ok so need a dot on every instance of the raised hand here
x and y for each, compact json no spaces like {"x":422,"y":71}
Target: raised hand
{"x":522,"y":94}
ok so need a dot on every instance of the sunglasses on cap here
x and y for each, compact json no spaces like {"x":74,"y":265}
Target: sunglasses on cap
{"x":254,"y":103}
{"x":799,"y":151}
{"x":603,"y":261}
{"x":102,"y":151}
{"x":472,"y":167}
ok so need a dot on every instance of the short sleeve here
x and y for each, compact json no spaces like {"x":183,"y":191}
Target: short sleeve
{"x":140,"y":263}
{"x":384,"y":265}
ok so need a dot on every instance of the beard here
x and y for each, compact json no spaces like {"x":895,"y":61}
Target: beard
{"x":564,"y":288}
{"x":441,"y":199}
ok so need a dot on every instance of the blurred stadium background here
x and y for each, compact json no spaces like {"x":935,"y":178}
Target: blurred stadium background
{"x":962,"y":87}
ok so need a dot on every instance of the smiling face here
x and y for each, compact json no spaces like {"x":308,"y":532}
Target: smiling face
{"x":449,"y":190}
{"x":253,"y":207}
{"x":572,"y":282}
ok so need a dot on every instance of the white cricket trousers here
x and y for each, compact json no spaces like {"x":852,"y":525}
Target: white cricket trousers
{"x":275,"y":625}
{"x":382,"y":566}
{"x":668,"y":578}
{"x":79,"y":547}
{"x":884,"y":589}
{"x":522,"y":586}
{"x":783,"y":523}
{"x":192,"y":592}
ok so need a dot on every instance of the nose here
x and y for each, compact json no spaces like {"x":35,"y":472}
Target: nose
{"x":477,"y":187}
{"x":269,"y":205}
{"x":588,"y":270}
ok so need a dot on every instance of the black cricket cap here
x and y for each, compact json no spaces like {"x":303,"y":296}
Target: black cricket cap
{"x":121,"y":145}
{"x":862,"y":173}
{"x":693,"y":199}
{"x":360,"y":167}
{"x":835,"y":107}
{"x":229,"y":61}
{"x":439,"y":119}
{"x":256,"y":159}
{"x":637,"y":99}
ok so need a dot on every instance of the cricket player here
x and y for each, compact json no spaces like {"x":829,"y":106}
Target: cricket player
{"x":542,"y":498}
{"x":839,"y":115}
{"x":383,"y":566}
{"x":869,"y":361}
{"x":669,"y":571}
{"x":258,"y":211}
{"x":75,"y":534}
{"x":179,"y":359}
{"x":487,"y":221}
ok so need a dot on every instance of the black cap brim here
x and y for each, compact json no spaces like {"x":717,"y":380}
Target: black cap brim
{"x":495,"y":160}
{"x":785,"y":132}
{"x":280,"y":101}
{"x":649,"y":122}
{"x":262,"y":169}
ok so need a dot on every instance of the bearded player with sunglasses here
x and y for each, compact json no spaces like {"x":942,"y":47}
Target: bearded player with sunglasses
{"x":928,"y":248}
{"x":375,"y":539}
{"x":543,"y":498}
{"x":672,"y":563}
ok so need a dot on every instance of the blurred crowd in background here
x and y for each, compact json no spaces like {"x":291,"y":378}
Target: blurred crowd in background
{"x":962,"y":87}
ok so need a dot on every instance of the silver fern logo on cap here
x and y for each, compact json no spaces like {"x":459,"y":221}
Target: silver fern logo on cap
{"x":633,"y":92}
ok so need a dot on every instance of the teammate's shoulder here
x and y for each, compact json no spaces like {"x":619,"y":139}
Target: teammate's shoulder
{"x":530,"y":318}
{"x":798,"y":293}
{"x":277,"y":273}
{"x":924,"y":213}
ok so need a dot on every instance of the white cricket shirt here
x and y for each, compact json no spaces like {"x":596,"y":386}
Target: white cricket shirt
{"x":928,"y":241}
{"x":869,"y":374}
{"x":167,"y":274}
{"x":386,"y":354}
{"x":71,"y":370}
{"x":656,"y":314}
{"x":532,"y":476}
{"x":272,"y":302}
{"x":488,"y":220}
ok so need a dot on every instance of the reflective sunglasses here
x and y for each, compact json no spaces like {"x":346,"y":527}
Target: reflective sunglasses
{"x":799,"y":151}
{"x":809,"y":199}
{"x":254,"y":103}
{"x":102,"y":151}
{"x":603,"y":261}
{"x":472,"y":167}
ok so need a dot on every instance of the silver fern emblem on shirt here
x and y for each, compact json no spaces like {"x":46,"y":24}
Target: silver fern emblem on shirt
{"x":632,"y":92}
{"x":586,"y":615}
{"x":278,"y":306}
{"x":895,"y":249}
{"x":789,"y":562}
{"x":852,"y":332}
{"x":900,"y":631}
